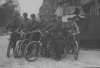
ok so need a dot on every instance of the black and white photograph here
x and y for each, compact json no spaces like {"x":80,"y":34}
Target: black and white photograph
{"x":49,"y":33}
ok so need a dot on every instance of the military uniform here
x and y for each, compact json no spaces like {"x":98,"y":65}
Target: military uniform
{"x":57,"y":38}
{"x":33,"y":25}
{"x":25,"y":24}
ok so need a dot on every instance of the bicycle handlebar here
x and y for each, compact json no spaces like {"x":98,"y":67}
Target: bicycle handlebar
{"x":31,"y":32}
{"x":22,"y":32}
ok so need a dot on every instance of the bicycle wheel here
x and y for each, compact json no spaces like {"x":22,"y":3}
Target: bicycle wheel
{"x":76,"y":50}
{"x":17,"y":49}
{"x":8,"y":51}
{"x":51,"y":51}
{"x":24,"y":43}
{"x":8,"y":48}
{"x":31,"y":51}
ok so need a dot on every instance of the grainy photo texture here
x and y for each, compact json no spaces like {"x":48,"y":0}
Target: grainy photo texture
{"x":49,"y":33}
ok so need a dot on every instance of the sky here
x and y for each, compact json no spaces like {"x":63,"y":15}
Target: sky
{"x":30,"y":6}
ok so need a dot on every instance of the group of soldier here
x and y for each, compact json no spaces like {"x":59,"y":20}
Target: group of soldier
{"x":58,"y":29}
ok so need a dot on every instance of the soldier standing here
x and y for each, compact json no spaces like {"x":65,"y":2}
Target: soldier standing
{"x":25,"y":22}
{"x":33,"y":23}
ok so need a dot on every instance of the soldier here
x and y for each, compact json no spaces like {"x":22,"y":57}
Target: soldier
{"x":33,"y":23}
{"x":64,"y":29}
{"x":57,"y":36}
{"x":44,"y":25}
{"x":52,"y":23}
{"x":25,"y":22}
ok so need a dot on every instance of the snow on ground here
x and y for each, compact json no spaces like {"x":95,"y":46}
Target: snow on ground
{"x":87,"y":58}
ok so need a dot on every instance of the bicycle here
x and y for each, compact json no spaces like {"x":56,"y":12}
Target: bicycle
{"x":35,"y":48}
{"x":74,"y":44}
{"x":21,"y":44}
{"x":14,"y":37}
{"x":76,"y":47}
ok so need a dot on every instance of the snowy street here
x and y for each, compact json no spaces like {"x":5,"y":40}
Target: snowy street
{"x":87,"y":58}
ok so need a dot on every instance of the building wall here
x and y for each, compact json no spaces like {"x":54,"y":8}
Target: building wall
{"x":90,"y":31}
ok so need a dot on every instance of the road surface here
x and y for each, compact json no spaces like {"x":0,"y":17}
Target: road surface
{"x":87,"y":58}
